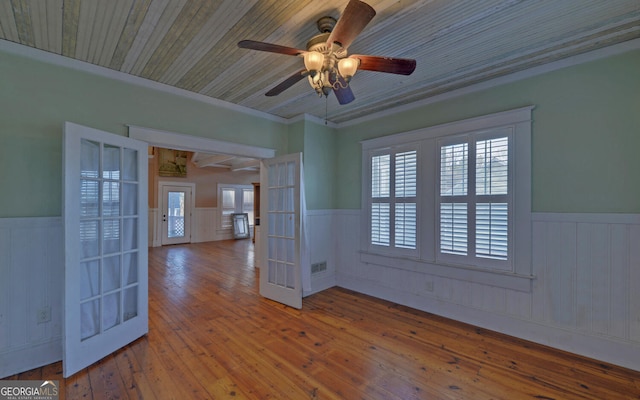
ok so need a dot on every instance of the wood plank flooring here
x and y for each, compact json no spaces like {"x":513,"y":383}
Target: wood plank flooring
{"x":212,"y":336}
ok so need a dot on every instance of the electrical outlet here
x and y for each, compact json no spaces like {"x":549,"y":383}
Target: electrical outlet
{"x":44,"y":315}
{"x":429,"y":286}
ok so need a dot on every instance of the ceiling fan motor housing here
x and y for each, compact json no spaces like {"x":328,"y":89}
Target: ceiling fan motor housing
{"x":326,"y":24}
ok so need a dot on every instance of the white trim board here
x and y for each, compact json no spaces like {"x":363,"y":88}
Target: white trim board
{"x":312,"y":118}
{"x":179,"y":141}
{"x":597,"y":218}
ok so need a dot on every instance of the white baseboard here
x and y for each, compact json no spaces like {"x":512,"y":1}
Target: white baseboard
{"x":320,"y":283}
{"x":34,"y":356}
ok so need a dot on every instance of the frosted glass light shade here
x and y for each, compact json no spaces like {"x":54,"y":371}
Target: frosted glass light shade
{"x":348,"y":67}
{"x":313,"y":61}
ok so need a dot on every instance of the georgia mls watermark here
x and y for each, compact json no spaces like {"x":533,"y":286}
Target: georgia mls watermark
{"x":29,"y":390}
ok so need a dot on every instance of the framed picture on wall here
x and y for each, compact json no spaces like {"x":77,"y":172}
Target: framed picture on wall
{"x":172,"y":163}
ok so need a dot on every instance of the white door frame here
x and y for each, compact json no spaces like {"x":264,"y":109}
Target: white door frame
{"x":188,"y":212}
{"x":179,"y":141}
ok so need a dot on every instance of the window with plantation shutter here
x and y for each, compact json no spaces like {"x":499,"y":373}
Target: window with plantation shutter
{"x":454,"y":161}
{"x":232,"y":199}
{"x":474,"y":198}
{"x":380,"y":195}
{"x":443,"y":199}
{"x":405,"y":196}
{"x":393,"y":186}
{"x":492,"y":194}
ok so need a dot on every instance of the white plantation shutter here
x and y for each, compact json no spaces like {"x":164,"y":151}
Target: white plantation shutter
{"x":228,"y":206}
{"x":492,"y":189}
{"x":453,"y":228}
{"x":247,"y":203}
{"x":405,"y":170}
{"x":380,"y":224}
{"x":380,"y":176}
{"x":405,"y":225}
{"x":393,"y":216}
{"x":492,"y":166}
{"x":405,"y":195}
{"x":492,"y":230}
{"x":454,"y":165}
{"x":454,"y":161}
{"x":474,"y":215}
{"x":380,"y":188}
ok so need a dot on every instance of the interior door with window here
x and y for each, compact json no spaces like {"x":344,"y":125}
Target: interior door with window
{"x":105,"y":238}
{"x":280,"y":276}
{"x":176,"y":213}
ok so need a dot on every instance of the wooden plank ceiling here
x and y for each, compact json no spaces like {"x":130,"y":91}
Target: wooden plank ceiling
{"x":192,"y":44}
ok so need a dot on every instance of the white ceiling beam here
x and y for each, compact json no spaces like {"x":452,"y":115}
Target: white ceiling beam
{"x":209,"y":160}
{"x":250,"y":164}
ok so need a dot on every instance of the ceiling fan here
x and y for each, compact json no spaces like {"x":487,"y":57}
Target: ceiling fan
{"x":327,"y":66}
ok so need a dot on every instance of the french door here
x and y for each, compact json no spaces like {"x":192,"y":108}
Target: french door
{"x":280,"y":274}
{"x":176,"y":212}
{"x":105,"y":238}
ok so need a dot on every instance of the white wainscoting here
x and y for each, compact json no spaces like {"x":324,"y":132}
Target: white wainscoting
{"x":585,"y":297}
{"x":203,"y":226}
{"x":31,"y":279}
{"x":320,"y":225}
{"x":154,"y":227}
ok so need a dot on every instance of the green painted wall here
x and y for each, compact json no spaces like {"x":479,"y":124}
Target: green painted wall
{"x":317,"y":143}
{"x":586,"y":135}
{"x":36,"y":98}
{"x":320,"y":166}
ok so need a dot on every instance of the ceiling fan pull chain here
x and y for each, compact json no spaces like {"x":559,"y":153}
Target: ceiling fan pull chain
{"x":326,"y":108}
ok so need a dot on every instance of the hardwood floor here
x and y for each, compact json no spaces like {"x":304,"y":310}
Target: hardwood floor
{"x":212,"y":336}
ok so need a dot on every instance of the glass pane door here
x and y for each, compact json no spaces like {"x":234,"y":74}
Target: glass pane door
{"x":175,"y":201}
{"x":105,"y":219}
{"x":175,"y":214}
{"x":108,"y":237}
{"x":280,"y":183}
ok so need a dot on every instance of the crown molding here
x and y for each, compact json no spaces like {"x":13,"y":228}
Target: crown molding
{"x":312,"y":118}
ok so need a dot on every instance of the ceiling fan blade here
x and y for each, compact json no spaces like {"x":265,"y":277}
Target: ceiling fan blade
{"x":342,"y":91}
{"x":355,"y":17}
{"x":272,"y":48}
{"x":391,"y":65}
{"x":287,"y":83}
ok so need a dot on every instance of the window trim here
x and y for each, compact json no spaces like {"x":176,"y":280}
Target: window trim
{"x":519,"y":276}
{"x":392,"y":201}
{"x":238,"y":188}
{"x":472,"y":198}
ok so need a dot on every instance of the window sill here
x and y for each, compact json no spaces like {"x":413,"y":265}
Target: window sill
{"x":502,"y":279}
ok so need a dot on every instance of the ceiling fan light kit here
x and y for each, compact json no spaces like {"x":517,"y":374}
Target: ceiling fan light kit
{"x":327,"y":65}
